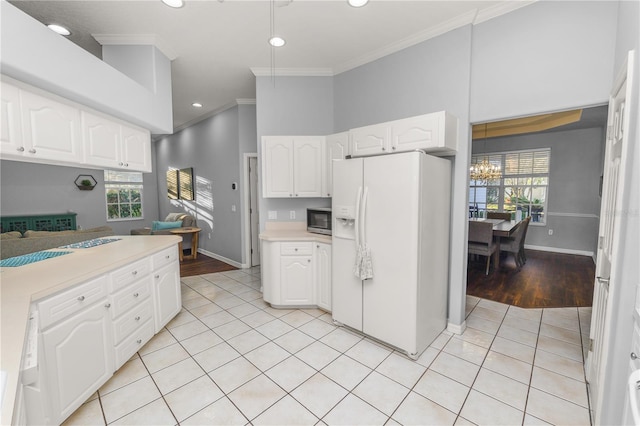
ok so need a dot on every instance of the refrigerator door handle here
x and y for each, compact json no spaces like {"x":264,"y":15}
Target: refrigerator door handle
{"x":356,"y":225}
{"x":363,"y":219}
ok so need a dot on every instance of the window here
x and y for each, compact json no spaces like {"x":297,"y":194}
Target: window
{"x":123,"y":194}
{"x":523,"y":186}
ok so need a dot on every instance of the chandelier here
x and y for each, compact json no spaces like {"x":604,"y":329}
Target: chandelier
{"x":484,"y":170}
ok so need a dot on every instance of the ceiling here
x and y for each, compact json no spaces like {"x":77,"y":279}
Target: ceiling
{"x":216,"y":44}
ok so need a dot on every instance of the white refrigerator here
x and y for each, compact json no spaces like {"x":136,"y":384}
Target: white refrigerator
{"x":391,"y":217}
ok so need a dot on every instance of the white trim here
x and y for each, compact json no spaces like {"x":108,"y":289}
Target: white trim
{"x":247,"y":205}
{"x":455,"y":328}
{"x":136,"y":40}
{"x":222,"y":258}
{"x":584,"y":215}
{"x":560,"y":250}
{"x":499,"y":9}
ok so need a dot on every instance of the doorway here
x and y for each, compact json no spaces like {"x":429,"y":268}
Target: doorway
{"x":251,"y":212}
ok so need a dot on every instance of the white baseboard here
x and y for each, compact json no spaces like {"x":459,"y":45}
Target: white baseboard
{"x":560,"y":250}
{"x":222,"y":258}
{"x":457,"y":329}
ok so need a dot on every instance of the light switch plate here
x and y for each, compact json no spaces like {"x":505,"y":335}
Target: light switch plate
{"x":273,"y":214}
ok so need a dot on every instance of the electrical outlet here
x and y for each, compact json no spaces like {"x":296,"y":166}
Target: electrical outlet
{"x":292,"y":214}
{"x":273,"y":214}
{"x":233,"y":208}
{"x":550,"y":231}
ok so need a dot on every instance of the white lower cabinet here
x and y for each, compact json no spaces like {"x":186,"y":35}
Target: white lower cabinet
{"x":296,"y":273}
{"x":322,"y":256}
{"x":90,"y":330}
{"x":78,"y":359}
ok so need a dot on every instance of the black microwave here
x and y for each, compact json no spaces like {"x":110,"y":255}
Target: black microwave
{"x":319,"y":220}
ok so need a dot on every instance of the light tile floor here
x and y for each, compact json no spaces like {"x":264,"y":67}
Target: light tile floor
{"x":229,"y":358}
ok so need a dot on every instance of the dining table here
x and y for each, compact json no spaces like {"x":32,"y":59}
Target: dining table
{"x":501,"y":229}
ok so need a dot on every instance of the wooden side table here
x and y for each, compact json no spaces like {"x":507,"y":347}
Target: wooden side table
{"x":194,"y":241}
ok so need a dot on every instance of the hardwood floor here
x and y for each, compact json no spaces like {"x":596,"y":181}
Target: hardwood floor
{"x":547,"y":280}
{"x":202,"y":265}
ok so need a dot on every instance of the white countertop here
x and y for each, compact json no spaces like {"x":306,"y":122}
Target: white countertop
{"x":291,"y":231}
{"x":19,"y":286}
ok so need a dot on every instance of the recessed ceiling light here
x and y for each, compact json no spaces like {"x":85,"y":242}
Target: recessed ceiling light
{"x":276,"y":41}
{"x":196,"y":105}
{"x":357,"y":3}
{"x":173,"y":3}
{"x":59,"y":29}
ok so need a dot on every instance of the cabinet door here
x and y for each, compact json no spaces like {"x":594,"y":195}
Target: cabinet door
{"x":101,"y":140}
{"x":422,"y":132}
{"x":79,"y":359}
{"x":51,"y":129}
{"x":370,"y":139}
{"x":337,"y":148}
{"x":308,"y":160}
{"x":277,"y":166}
{"x":322,"y":257}
{"x":136,"y":149}
{"x":296,"y":275}
{"x":11,"y":121}
{"x":167,"y":296}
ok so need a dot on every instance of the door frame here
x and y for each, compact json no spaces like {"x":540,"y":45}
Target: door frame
{"x":246,"y":189}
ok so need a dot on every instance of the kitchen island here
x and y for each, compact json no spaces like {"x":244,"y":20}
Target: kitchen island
{"x":89,"y":293}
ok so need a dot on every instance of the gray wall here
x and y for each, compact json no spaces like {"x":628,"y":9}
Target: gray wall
{"x":213,"y":148}
{"x":292,"y":106}
{"x":30,"y":188}
{"x":573,"y":200}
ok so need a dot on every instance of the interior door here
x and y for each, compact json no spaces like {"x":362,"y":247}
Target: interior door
{"x":253,"y":210}
{"x":617,"y":159}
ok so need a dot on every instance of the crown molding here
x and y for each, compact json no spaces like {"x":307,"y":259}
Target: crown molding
{"x":292,"y":72}
{"x":500,"y":9}
{"x":216,"y":111}
{"x":136,"y":40}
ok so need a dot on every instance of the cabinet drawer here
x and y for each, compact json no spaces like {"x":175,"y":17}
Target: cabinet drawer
{"x":130,"y":296}
{"x":132,"y":320}
{"x":165,"y":257}
{"x":55,"y":308}
{"x":298,"y":248}
{"x":128,"y":274}
{"x":133,"y":343}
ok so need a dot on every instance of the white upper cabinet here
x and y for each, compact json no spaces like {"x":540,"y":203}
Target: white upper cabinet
{"x":44,"y":128}
{"x":292,"y":166}
{"x":435,"y":133}
{"x":337,"y":148}
{"x":51,"y":129}
{"x":111,"y":144}
{"x":308,"y":156}
{"x":370,"y":140}
{"x":11,"y":121}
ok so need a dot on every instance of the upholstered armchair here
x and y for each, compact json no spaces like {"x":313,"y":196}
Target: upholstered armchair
{"x":163,"y":228}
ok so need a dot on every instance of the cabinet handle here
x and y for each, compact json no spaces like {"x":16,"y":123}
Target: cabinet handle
{"x":134,"y":273}
{"x":297,"y":195}
{"x":135,"y":294}
{"x":167,"y":257}
{"x":108,"y":305}
{"x":296,"y":249}
{"x":383,"y":148}
{"x":290,"y":195}
{"x":393,"y":148}
{"x":317,"y":245}
{"x":308,"y":260}
{"x":633,"y":355}
{"x":33,"y":151}
{"x":157,"y":276}
{"x":328,"y":195}
{"x":120,"y":164}
{"x":21,"y":149}
{"x":126,"y":164}
{"x":139,"y":341}
{"x":137,"y":318}
{"x":81,"y":298}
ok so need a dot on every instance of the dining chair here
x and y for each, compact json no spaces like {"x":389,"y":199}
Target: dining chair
{"x":499,"y":215}
{"x":515,"y":243}
{"x":481,"y":241}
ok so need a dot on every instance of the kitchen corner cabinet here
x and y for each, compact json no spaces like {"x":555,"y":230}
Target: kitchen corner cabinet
{"x":292,"y":166}
{"x":337,"y":148}
{"x":37,"y":126}
{"x":297,"y":273}
{"x":434,"y":133}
